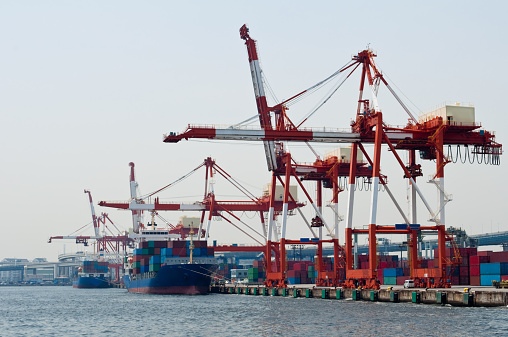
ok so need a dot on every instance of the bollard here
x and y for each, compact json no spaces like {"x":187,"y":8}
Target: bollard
{"x":308,"y":293}
{"x":325,"y":293}
{"x":415,"y":297}
{"x":373,"y":295}
{"x":356,"y":295}
{"x":338,"y":294}
{"x":295,"y":293}
{"x":468,"y":299}
{"x":394,"y":296}
{"x":441,"y":297}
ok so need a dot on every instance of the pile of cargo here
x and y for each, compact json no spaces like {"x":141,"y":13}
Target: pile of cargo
{"x":301,"y":272}
{"x":150,"y":255}
{"x":488,"y":267}
{"x":95,"y":267}
{"x":257,"y":273}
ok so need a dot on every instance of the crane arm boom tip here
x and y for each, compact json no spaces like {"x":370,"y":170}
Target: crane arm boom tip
{"x":244,"y":32}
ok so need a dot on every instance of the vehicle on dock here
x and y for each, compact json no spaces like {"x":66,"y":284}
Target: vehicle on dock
{"x":409,"y":284}
{"x":500,"y":284}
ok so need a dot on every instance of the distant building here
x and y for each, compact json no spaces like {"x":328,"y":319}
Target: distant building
{"x":11,"y":274}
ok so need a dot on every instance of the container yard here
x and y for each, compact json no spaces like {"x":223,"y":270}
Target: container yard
{"x":447,"y":135}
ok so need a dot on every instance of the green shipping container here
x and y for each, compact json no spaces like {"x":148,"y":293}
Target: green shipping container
{"x":391,"y":280}
{"x":154,"y":267}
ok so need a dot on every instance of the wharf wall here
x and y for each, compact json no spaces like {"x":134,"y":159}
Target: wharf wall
{"x":477,"y":298}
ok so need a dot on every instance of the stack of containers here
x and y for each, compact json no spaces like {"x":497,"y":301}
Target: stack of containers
{"x":393,"y":276}
{"x":493,"y":272}
{"x":385,"y":262}
{"x":464,"y":275}
{"x":95,"y":267}
{"x":301,"y":272}
{"x":151,"y":255}
{"x":474,"y":267}
{"x":256,"y":274}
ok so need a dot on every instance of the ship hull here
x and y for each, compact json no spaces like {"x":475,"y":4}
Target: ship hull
{"x":91,"y":282}
{"x":186,"y":279}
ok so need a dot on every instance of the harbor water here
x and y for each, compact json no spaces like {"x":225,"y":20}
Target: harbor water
{"x":65,"y":311}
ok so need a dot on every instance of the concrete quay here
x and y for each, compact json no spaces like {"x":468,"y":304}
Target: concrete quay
{"x":456,"y":296}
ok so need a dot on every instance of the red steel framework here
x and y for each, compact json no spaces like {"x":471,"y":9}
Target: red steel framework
{"x":428,"y":137}
{"x":105,"y":244}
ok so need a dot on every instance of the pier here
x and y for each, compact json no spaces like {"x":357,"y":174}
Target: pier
{"x":465,"y":297}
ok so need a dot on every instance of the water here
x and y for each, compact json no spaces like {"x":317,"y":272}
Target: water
{"x":65,"y":311}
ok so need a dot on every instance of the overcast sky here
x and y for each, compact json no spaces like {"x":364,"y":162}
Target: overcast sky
{"x":87,"y":87}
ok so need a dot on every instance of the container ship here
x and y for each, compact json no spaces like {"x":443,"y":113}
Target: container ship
{"x":165,"y":263}
{"x":93,"y":274}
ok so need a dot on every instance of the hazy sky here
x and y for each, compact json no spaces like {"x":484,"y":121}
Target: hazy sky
{"x":87,"y":87}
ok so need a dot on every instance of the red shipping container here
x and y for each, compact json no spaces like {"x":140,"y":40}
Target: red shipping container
{"x":464,"y":280}
{"x":483,"y":253}
{"x":383,"y":264}
{"x":464,"y":271}
{"x":496,"y":257}
{"x":430,"y":264}
{"x":504,"y":277}
{"x":291,"y":273}
{"x":476,"y":260}
{"x":474,"y":270}
{"x":380,"y":273}
{"x":455,"y":280}
{"x":475,"y":281}
{"x":210,"y":251}
{"x":401,"y":279}
{"x":181,"y":252}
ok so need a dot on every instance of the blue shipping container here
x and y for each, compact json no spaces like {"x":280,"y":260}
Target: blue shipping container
{"x":155,"y":259}
{"x":486,"y":280}
{"x":500,"y":268}
{"x":393,"y":272}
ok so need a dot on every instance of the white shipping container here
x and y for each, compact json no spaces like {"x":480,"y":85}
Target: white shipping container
{"x":452,"y":113}
{"x":344,"y":154}
{"x":186,"y":221}
{"x":279,"y":192}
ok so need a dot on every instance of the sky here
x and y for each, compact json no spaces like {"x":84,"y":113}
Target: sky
{"x":87,"y":87}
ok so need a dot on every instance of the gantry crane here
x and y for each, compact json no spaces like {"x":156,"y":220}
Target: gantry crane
{"x":113,"y":246}
{"x":428,"y":136}
{"x":210,"y":204}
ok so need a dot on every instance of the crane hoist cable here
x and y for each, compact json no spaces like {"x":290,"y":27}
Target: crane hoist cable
{"x":331,"y":93}
{"x":77,"y":230}
{"x":414,"y":105}
{"x":173,"y":183}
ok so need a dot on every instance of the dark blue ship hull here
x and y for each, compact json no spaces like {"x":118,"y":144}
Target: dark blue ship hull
{"x":91,"y":282}
{"x":188,"y":279}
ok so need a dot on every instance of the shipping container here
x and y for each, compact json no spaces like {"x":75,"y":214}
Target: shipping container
{"x":494,"y":268}
{"x":475,"y":280}
{"x":486,"y":280}
{"x":393,"y":272}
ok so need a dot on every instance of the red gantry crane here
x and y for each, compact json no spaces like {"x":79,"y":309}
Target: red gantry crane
{"x":210,"y":204}
{"x":429,"y":135}
{"x":113,"y":246}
